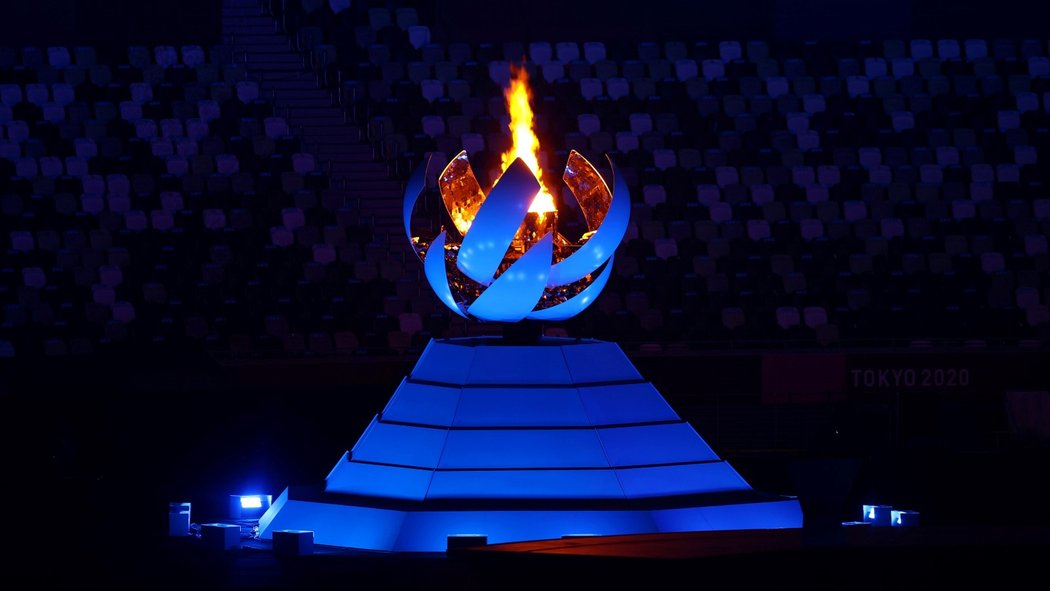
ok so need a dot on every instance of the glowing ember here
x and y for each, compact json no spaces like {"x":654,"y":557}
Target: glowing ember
{"x":525,"y":143}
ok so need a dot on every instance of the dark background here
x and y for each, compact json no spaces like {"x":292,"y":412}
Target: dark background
{"x":468,"y":20}
{"x":123,"y":22}
{"x":101,"y":447}
{"x":110,"y":23}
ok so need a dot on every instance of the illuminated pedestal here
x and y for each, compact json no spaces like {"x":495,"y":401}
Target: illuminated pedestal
{"x":524,"y":443}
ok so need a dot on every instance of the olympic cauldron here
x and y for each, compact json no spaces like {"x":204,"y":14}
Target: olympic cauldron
{"x":519,"y":440}
{"x":494,"y":259}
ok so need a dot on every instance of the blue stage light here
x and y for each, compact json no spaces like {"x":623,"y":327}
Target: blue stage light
{"x":248,"y":506}
{"x":878,"y":515}
{"x":901,"y":518}
{"x":179,"y":519}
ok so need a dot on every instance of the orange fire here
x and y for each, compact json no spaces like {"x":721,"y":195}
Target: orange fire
{"x":525,"y":143}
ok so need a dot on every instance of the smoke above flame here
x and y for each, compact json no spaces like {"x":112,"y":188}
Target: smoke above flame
{"x":525,"y":144}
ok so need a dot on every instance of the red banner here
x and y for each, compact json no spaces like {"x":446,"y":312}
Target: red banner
{"x":803,"y":377}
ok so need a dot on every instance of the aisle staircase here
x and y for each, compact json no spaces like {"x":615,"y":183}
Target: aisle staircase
{"x":358,"y":180}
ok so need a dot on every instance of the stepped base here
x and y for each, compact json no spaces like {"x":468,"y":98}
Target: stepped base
{"x":524,"y":442}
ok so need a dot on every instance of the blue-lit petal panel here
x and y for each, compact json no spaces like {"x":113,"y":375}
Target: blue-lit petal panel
{"x":437,"y":276}
{"x":489,"y":224}
{"x":497,"y":221}
{"x":601,"y":245}
{"x":577,"y":303}
{"x":512,"y":296}
{"x":413,"y":188}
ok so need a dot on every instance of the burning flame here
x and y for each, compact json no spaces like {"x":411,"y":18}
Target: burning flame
{"x":525,"y":143}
